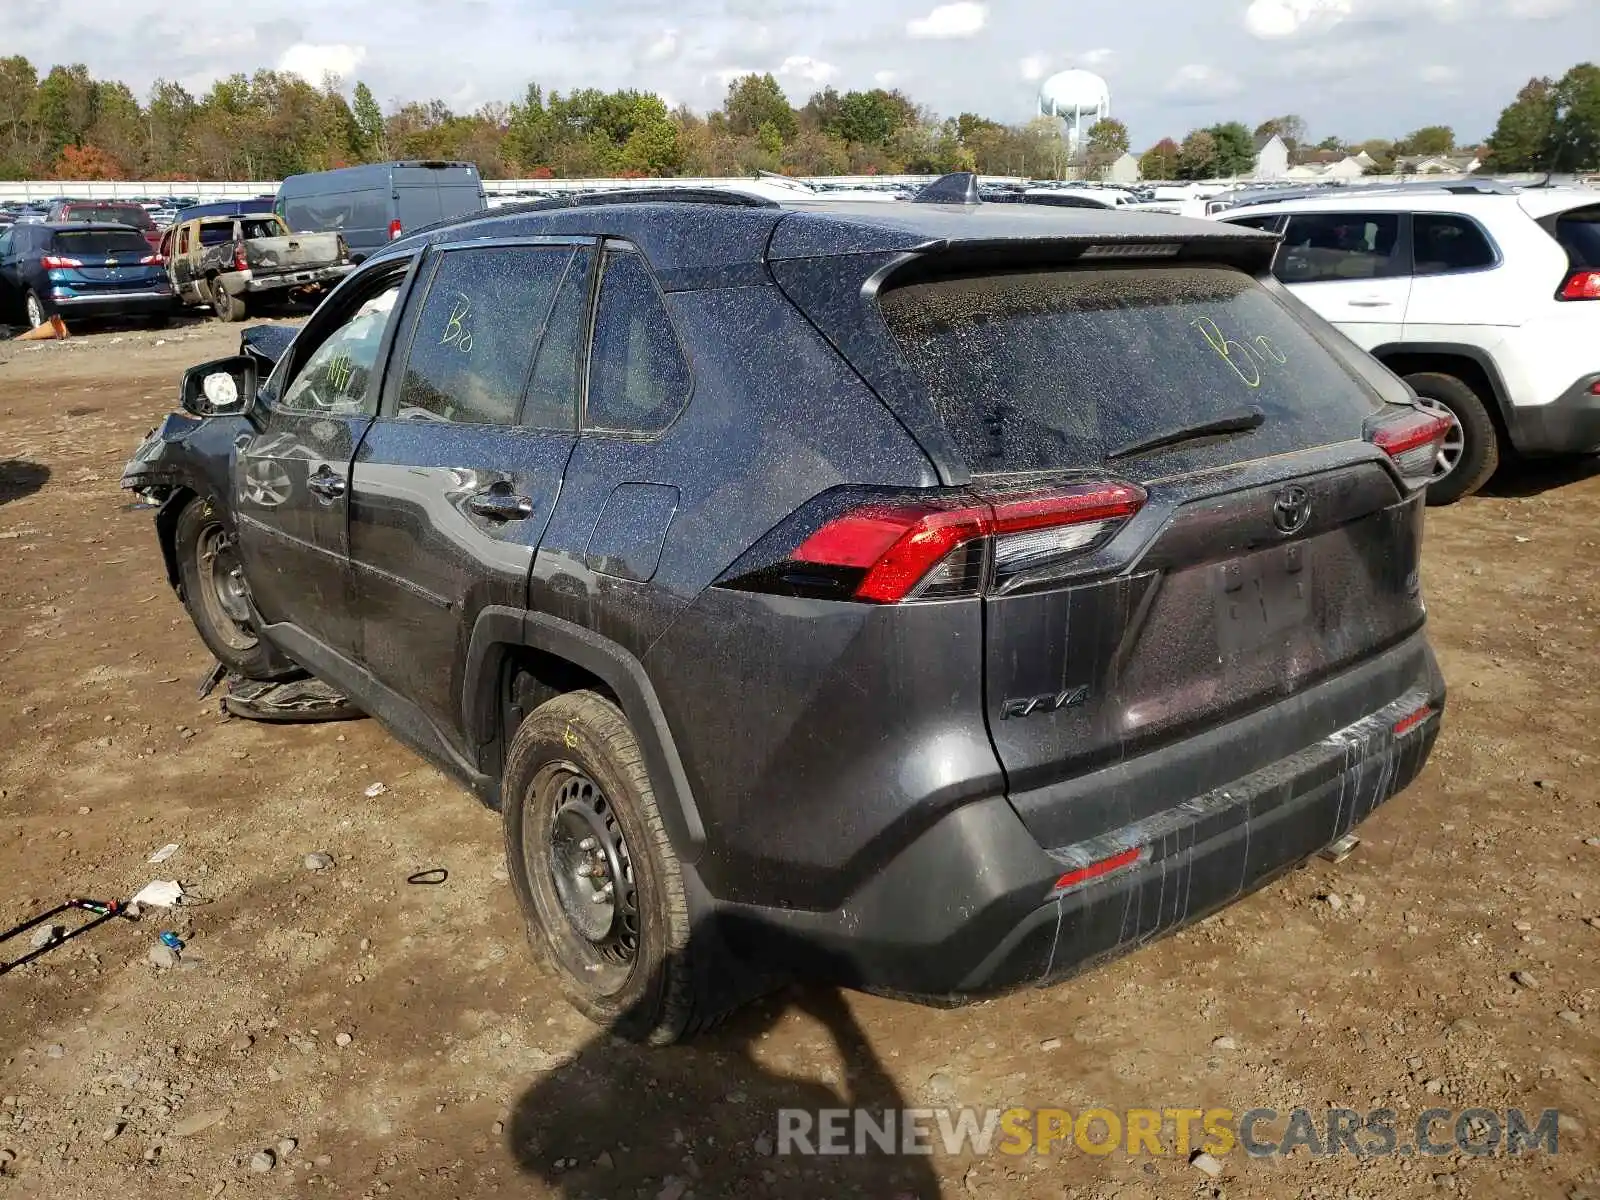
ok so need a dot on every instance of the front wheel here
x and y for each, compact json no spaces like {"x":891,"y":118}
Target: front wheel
{"x":1471,"y":450}
{"x":216,"y":597}
{"x":594,"y":871}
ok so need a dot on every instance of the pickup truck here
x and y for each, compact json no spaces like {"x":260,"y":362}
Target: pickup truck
{"x":234,"y":263}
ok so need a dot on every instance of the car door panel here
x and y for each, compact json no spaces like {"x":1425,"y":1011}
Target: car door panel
{"x":1351,"y":269}
{"x":293,"y":476}
{"x":454,"y":484}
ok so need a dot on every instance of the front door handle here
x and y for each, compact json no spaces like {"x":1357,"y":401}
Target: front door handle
{"x":326,"y":484}
{"x":500,"y":505}
{"x":1372,"y":303}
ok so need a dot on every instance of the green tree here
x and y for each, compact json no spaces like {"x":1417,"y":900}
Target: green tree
{"x":1235,"y":149}
{"x":64,"y":106}
{"x":1160,"y":161}
{"x":1577,"y":119}
{"x":873,"y":118}
{"x":369,"y":131}
{"x":1106,"y":141}
{"x":1197,"y":157}
{"x":1524,"y":137}
{"x":1430,"y":139}
{"x":652,"y":148}
{"x":757,"y":100}
{"x":1334,"y":145}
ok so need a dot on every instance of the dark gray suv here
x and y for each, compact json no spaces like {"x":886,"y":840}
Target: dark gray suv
{"x":935,"y":598}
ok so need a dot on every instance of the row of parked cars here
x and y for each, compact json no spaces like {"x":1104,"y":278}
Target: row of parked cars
{"x":118,"y":259}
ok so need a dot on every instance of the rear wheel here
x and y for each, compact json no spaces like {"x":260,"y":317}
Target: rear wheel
{"x":215,"y":594}
{"x":1471,"y":451}
{"x":34,"y":309}
{"x":595,"y":872}
{"x":228,"y":306}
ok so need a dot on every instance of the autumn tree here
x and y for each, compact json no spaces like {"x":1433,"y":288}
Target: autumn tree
{"x":1197,"y":157}
{"x":1291,"y":128}
{"x":87,"y":162}
{"x":1160,"y":161}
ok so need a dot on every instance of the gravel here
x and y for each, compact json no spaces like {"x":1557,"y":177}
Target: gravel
{"x":263,"y":1161}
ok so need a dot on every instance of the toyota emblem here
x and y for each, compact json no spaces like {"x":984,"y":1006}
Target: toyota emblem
{"x":1291,"y":509}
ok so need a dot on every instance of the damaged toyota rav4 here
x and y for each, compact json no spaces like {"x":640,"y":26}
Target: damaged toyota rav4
{"x":932,"y":598}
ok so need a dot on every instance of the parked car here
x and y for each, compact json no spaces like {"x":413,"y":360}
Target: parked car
{"x":1485,"y":299}
{"x":1022,"y":646}
{"x":86,"y":270}
{"x":221,"y":208}
{"x":235,"y":264}
{"x":372,"y":205}
{"x":106,"y":212}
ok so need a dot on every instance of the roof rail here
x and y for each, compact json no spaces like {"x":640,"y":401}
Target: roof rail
{"x":958,"y":187}
{"x":1459,"y":187}
{"x":639,"y":195}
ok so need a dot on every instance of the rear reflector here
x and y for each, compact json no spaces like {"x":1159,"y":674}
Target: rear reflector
{"x":1099,"y":869}
{"x":1413,"y":442}
{"x":1581,"y":285}
{"x":1411,"y":720}
{"x":936,"y":548}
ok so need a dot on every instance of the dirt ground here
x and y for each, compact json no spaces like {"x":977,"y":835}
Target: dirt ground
{"x":383,"y":1038}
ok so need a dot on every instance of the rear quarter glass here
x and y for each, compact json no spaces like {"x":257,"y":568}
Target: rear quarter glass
{"x":1052,"y":370}
{"x":1578,"y":232}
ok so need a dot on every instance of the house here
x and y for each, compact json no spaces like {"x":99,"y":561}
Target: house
{"x":1272,"y":158}
{"x":1437,"y":164}
{"x":1124,"y":170}
{"x":1346,"y":168}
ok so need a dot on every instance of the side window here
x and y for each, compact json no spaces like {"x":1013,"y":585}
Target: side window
{"x":337,"y":378}
{"x":5,"y":243}
{"x":475,"y":334}
{"x":638,"y":379}
{"x":183,"y":239}
{"x":1265,"y":224}
{"x":552,"y":400}
{"x":1322,"y":247}
{"x":1443,"y":243}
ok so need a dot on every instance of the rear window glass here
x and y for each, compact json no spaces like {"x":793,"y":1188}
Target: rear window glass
{"x":110,"y":214}
{"x":259,"y":228}
{"x":1056,"y":369}
{"x":215,"y":233}
{"x":1579,"y":233}
{"x":98,"y":242}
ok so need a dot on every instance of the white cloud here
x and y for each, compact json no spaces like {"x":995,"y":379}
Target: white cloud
{"x":1095,"y":58}
{"x":1033,"y":67}
{"x":726,"y":75}
{"x":960,"y":20}
{"x":1539,"y":10}
{"x":811,"y":70}
{"x":1198,"y":82}
{"x":1270,"y":19}
{"x":1439,"y":74}
{"x":663,"y":48}
{"x":885,"y":78}
{"x":312,"y":62}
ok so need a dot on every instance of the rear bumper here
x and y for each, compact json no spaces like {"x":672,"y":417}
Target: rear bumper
{"x":970,"y":907}
{"x":115,"y":304}
{"x":286,"y":280}
{"x":1568,"y":425}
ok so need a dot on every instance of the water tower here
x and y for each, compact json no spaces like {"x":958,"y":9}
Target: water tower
{"x":1078,"y":99}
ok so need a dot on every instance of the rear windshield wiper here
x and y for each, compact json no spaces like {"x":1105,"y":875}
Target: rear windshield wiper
{"x":1239,"y":421}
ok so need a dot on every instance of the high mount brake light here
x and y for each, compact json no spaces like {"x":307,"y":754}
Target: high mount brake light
{"x":1413,"y":443}
{"x":1581,"y":285}
{"x":893,"y":549}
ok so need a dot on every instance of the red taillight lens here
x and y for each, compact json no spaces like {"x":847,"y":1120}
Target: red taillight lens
{"x":240,"y":262}
{"x":1581,"y":285}
{"x":884,"y":551}
{"x":52,"y":262}
{"x":1413,"y":442}
{"x":152,"y":260}
{"x":394,"y":229}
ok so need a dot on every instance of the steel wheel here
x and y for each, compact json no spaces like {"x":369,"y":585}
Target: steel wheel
{"x":591,"y":869}
{"x":222,"y":588}
{"x":1455,"y":442}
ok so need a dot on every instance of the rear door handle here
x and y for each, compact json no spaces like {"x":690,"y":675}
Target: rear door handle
{"x":1372,"y":303}
{"x":499,"y":505}
{"x":326,"y":484}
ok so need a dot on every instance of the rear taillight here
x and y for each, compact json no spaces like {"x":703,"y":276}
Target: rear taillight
{"x":1413,"y":441}
{"x":394,"y":229}
{"x":53,"y":262}
{"x":152,"y":260}
{"x":889,"y":549}
{"x":1581,"y":285}
{"x":240,"y":262}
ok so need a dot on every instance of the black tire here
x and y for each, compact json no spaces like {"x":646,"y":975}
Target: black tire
{"x":227,"y":306}
{"x":204,"y":560}
{"x":37,"y":302}
{"x":1480,"y":452}
{"x":572,"y":757}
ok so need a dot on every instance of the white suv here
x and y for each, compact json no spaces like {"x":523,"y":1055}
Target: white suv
{"x":1485,"y":299}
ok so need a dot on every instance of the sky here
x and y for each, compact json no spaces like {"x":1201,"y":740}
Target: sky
{"x":1352,"y":68}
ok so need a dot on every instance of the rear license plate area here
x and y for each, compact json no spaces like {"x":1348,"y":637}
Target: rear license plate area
{"x":1260,"y":597}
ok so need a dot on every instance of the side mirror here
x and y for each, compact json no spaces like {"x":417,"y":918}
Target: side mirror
{"x":226,"y":387}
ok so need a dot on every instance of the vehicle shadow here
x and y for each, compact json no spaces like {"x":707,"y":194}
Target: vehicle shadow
{"x":19,"y":478}
{"x":702,"y":1117}
{"x":1526,"y":478}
